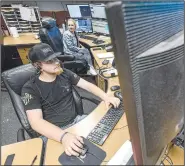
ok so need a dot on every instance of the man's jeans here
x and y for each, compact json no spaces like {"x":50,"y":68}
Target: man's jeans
{"x":76,"y":120}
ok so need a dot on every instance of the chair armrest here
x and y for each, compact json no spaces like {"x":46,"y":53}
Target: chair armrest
{"x":20,"y":135}
{"x":95,"y":101}
{"x":66,"y":57}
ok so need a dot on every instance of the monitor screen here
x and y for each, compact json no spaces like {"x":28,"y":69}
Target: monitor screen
{"x":149,"y":56}
{"x":98,"y":11}
{"x":83,"y":25}
{"x":100,"y":26}
{"x":78,"y":11}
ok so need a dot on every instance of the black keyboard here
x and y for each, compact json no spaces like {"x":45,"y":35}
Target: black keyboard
{"x":88,"y":37}
{"x":102,"y":130}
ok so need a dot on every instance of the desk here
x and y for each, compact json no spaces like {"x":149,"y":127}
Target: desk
{"x":90,"y":44}
{"x":24,"y":151}
{"x":23,"y":43}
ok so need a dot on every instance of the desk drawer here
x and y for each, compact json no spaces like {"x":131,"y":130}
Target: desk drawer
{"x":96,"y":65}
{"x":101,"y":82}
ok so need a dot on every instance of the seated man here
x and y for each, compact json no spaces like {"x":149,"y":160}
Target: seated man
{"x":49,"y":101}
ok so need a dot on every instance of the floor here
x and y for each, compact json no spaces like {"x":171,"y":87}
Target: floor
{"x":9,"y":122}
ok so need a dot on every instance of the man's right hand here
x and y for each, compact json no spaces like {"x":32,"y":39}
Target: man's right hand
{"x":73,"y":144}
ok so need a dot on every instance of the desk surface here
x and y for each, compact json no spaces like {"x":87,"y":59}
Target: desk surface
{"x":23,"y":39}
{"x":90,"y":43}
{"x":24,"y":151}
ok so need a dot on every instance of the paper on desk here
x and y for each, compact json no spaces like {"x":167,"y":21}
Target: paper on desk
{"x":111,"y":71}
{"x":27,"y":14}
{"x":105,"y":55}
{"x":123,"y":155}
{"x":14,"y":32}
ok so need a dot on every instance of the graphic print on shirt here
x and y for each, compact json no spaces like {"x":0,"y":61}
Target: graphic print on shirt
{"x":26,"y":98}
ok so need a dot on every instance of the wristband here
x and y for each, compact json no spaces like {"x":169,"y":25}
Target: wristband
{"x":63,"y":136}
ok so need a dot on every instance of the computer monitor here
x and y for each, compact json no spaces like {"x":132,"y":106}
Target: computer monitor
{"x":149,"y":54}
{"x":84,"y":25}
{"x":98,"y":11}
{"x":100,"y":26}
{"x":79,"y":11}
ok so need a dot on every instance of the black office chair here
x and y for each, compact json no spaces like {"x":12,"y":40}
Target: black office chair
{"x":14,"y":79}
{"x":49,"y":33}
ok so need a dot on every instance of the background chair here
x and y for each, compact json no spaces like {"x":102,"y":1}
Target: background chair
{"x":15,"y":78}
{"x":49,"y":33}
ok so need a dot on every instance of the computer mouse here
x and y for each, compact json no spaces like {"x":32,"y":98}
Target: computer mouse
{"x":116,"y":87}
{"x":105,"y":62}
{"x":118,"y":95}
{"x":100,"y":42}
{"x":95,"y":40}
{"x":84,"y":150}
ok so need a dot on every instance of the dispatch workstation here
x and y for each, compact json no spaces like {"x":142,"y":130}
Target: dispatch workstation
{"x":87,"y":83}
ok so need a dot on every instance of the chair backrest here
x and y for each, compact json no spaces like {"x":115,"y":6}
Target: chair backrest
{"x":49,"y":33}
{"x":14,"y":79}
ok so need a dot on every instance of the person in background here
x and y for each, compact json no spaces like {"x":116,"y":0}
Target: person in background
{"x":72,"y":46}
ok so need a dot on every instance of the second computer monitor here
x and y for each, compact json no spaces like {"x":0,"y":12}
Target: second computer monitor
{"x":83,"y":25}
{"x":100,"y":26}
{"x":77,"y":11}
{"x":98,"y":11}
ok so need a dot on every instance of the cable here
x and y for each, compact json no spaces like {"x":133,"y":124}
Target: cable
{"x":171,"y":162}
{"x":111,"y":75}
{"x":167,"y":158}
{"x":120,"y":127}
{"x":97,"y":157}
{"x":42,"y":95}
{"x":101,"y":72}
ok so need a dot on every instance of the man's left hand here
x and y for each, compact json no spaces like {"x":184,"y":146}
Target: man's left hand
{"x":112,"y":100}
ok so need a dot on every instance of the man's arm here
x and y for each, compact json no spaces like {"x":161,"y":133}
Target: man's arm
{"x":42,"y":126}
{"x":70,"y":142}
{"x":98,"y":92}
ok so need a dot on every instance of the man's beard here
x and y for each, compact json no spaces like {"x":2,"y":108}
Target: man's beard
{"x":60,"y":70}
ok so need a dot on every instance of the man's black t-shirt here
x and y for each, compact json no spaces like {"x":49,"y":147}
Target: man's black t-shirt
{"x":54,"y":98}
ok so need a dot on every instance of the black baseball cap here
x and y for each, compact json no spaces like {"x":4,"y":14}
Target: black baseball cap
{"x":41,"y":53}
